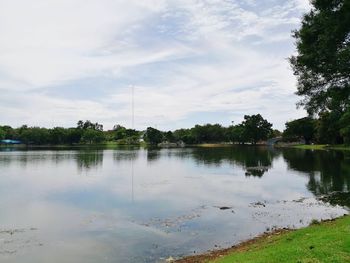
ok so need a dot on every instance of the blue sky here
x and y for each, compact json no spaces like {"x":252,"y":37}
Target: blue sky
{"x":190,"y":61}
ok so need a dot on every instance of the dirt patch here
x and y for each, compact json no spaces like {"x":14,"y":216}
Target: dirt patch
{"x":244,"y":246}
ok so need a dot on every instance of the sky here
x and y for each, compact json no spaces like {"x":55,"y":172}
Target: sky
{"x":189,"y":61}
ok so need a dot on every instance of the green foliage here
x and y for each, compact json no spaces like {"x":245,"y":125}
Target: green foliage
{"x":153,"y":136}
{"x":73,"y":135}
{"x":169,"y":136}
{"x":89,"y":125}
{"x":208,"y":133}
{"x":10,"y":133}
{"x":328,"y":128}
{"x":301,"y":128}
{"x":322,"y":65}
{"x":256,"y":128}
{"x":125,"y":136}
{"x":185,"y":135}
{"x":35,"y":135}
{"x":236,"y":133}
{"x":345,"y":127}
{"x":2,"y":134}
{"x":92,"y":136}
{"x":58,"y":135}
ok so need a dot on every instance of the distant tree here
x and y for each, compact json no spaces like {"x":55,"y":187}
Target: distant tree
{"x":58,"y":135}
{"x":92,"y":136}
{"x":184,"y":135}
{"x":256,"y":128}
{"x":301,"y":128}
{"x":322,"y":64}
{"x":275,"y":133}
{"x":169,"y":136}
{"x":236,"y":133}
{"x":73,"y":135}
{"x":208,"y":133}
{"x":153,"y":136}
{"x":119,"y":132}
{"x":89,"y":125}
{"x":10,"y":133}
{"x":2,"y":134}
{"x":80,"y":124}
{"x":35,"y":135}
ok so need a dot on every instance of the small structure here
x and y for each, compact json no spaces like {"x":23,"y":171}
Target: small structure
{"x":10,"y":142}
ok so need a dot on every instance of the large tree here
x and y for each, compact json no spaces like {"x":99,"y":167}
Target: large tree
{"x":301,"y":128}
{"x":256,"y":128}
{"x":322,"y":63}
{"x":153,"y":136}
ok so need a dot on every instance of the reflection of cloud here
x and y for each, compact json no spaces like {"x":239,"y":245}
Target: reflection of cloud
{"x":74,"y":212}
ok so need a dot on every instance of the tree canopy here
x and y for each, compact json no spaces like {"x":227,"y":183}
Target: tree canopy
{"x":322,"y":65}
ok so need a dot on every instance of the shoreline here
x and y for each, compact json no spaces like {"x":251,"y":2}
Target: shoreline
{"x":248,"y":249}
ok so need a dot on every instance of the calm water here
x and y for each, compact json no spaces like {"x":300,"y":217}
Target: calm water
{"x":136,"y":205}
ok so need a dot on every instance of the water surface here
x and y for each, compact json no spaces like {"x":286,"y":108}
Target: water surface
{"x":139,"y":205}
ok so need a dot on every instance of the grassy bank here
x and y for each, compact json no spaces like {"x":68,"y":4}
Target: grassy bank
{"x":322,"y":147}
{"x":322,"y":242}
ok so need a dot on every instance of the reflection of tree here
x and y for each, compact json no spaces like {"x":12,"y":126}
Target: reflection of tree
{"x":255,"y":160}
{"x":153,"y":154}
{"x":125,"y":155}
{"x":87,"y":159}
{"x":328,"y":171}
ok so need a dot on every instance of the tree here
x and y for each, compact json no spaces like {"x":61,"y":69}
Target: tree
{"x":153,"y":136}
{"x":10,"y":133}
{"x":301,"y":128}
{"x":35,"y":135}
{"x":322,"y":65}
{"x":236,"y":133}
{"x":92,"y":136}
{"x":328,"y":127}
{"x":184,"y":135}
{"x":2,"y":134}
{"x":58,"y":135}
{"x":169,"y":136}
{"x":208,"y":133}
{"x":256,"y":128}
{"x":345,"y":126}
{"x":73,"y":135}
{"x":89,"y":125}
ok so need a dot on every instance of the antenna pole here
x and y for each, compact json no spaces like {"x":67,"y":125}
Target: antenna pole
{"x":132,"y":107}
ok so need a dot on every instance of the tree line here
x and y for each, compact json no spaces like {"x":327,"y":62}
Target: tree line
{"x":85,"y":132}
{"x":253,"y":129}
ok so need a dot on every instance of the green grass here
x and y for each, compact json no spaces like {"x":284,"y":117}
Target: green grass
{"x":311,"y":146}
{"x":324,"y":242}
{"x":322,"y":147}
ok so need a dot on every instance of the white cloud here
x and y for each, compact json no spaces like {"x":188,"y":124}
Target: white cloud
{"x":189,"y":56}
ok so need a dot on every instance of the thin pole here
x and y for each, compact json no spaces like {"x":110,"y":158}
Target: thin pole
{"x":132,"y":107}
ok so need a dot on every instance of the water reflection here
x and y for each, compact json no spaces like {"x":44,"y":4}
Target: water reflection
{"x":255,"y":160}
{"x":328,"y":171}
{"x":125,"y":155}
{"x":88,"y":159}
{"x":153,"y":154}
{"x":137,"y":212}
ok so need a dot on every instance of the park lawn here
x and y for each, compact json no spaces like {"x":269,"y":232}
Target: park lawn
{"x":322,"y":147}
{"x":325,"y":242}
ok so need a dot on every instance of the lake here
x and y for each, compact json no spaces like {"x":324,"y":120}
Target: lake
{"x":139,"y":205}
